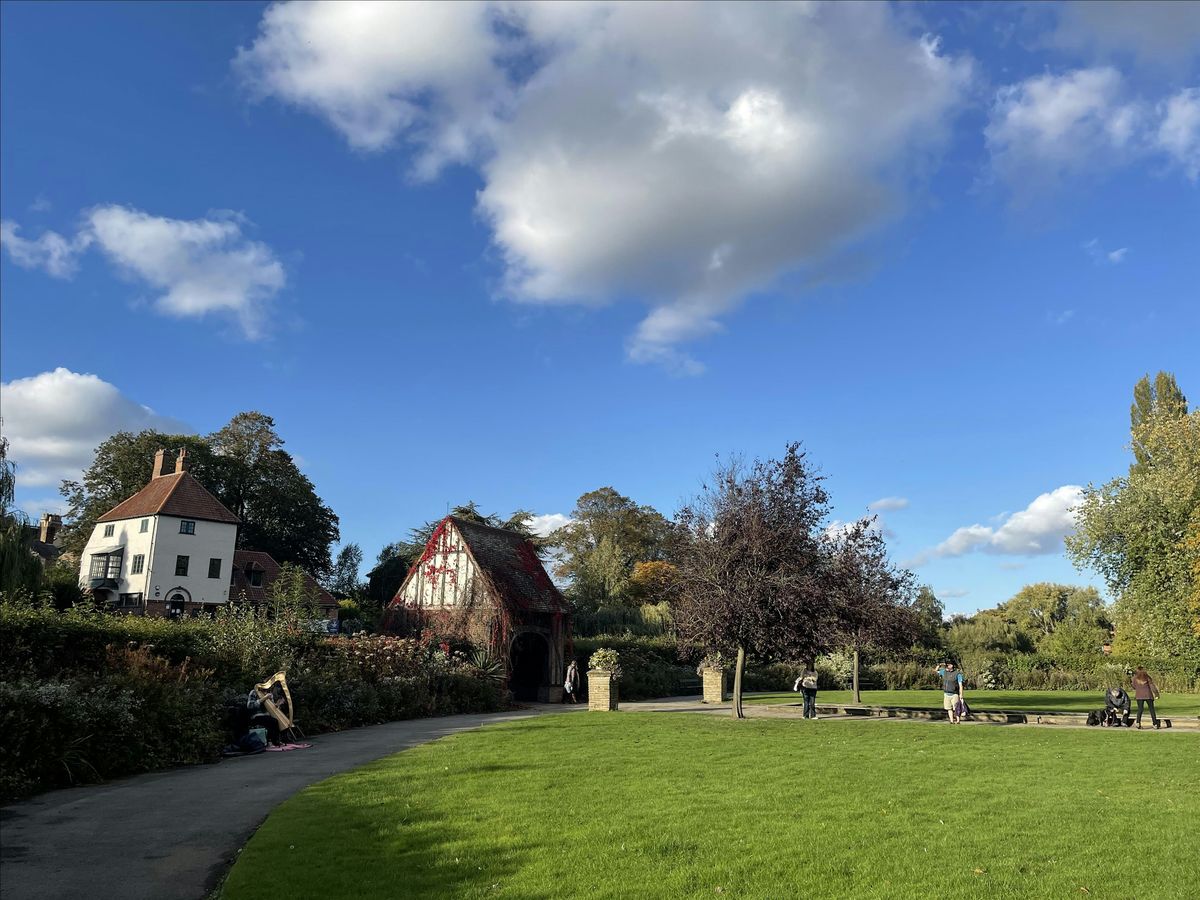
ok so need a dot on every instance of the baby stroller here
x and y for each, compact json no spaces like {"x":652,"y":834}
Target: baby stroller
{"x":1116,"y":709}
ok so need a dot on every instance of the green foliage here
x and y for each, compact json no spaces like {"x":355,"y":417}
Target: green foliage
{"x":607,"y":535}
{"x":144,"y":713}
{"x":87,"y":695}
{"x":647,"y":619}
{"x":650,"y":666}
{"x":929,"y":612}
{"x":344,"y":580}
{"x":1135,"y":530}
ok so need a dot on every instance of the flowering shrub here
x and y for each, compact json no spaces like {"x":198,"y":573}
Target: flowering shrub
{"x":86,"y":696}
{"x":606,"y":660}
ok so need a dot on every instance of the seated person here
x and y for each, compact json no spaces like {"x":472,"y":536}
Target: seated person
{"x":1116,"y":698}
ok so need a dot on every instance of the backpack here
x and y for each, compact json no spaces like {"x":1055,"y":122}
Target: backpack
{"x":1093,"y":718}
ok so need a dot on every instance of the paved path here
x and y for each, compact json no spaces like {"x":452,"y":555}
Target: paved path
{"x":172,"y":834}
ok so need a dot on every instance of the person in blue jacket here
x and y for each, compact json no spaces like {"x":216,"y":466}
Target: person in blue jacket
{"x":952,"y":691}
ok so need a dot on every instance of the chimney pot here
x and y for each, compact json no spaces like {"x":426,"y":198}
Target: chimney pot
{"x":181,"y":462}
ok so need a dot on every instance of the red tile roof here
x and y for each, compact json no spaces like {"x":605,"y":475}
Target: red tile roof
{"x":239,"y":581}
{"x":173,"y":495}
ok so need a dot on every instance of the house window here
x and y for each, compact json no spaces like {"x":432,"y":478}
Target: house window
{"x":130,"y":600}
{"x":145,"y":526}
{"x":187,"y":526}
{"x":256,"y":578}
{"x":105,"y":565}
{"x":214,"y":567}
{"x":181,"y":565}
{"x":109,"y":529}
{"x":139,"y":563}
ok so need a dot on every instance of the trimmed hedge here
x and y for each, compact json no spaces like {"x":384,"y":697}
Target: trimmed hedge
{"x":651,"y":665}
{"x":86,"y":696}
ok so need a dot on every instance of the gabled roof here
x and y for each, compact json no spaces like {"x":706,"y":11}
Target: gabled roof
{"x":510,"y":562}
{"x":239,"y":582}
{"x":173,"y":495}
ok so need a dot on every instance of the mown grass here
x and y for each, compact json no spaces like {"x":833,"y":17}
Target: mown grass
{"x":626,"y":804}
{"x":1018,"y":701}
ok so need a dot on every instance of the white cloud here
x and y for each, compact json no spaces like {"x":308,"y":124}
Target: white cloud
{"x":1156,"y":31}
{"x":951,"y":593}
{"x":56,"y":255}
{"x":202,"y":266}
{"x":1100,"y":256}
{"x":55,"y":420}
{"x":1036,"y":530}
{"x":1051,"y":127}
{"x":888,"y":504}
{"x":548,"y":522}
{"x":680,"y":155}
{"x":1179,"y":132}
{"x":376,"y":70}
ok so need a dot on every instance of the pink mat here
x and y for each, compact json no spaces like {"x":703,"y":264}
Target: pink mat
{"x":284,"y":748}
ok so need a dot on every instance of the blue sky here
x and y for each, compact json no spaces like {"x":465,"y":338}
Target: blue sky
{"x":510,"y":254}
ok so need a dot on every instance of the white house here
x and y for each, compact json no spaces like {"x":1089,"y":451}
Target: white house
{"x":166,"y":551}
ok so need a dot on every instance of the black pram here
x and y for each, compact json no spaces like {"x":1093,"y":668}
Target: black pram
{"x":1116,"y":708}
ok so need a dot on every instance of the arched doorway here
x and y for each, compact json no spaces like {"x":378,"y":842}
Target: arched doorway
{"x":177,"y":599}
{"x":528,"y":665}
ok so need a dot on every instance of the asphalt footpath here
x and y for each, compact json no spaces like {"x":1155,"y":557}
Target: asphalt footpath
{"x":172,"y":835}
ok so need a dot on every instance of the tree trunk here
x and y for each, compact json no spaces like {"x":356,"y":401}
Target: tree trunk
{"x":737,"y":683}
{"x":857,"y":694}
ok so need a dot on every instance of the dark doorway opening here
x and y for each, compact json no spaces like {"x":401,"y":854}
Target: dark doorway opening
{"x":529,"y":665}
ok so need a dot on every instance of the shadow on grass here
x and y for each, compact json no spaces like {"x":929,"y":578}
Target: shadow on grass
{"x":325,"y":844}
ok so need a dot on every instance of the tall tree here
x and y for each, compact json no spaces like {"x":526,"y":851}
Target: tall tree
{"x":751,"y":564}
{"x":1043,"y":608}
{"x":873,"y":597}
{"x":20,"y":570}
{"x":1160,"y":399}
{"x":1135,"y":531}
{"x":607,"y":535}
{"x":344,"y":580}
{"x":930,"y":613}
{"x":279,"y":507}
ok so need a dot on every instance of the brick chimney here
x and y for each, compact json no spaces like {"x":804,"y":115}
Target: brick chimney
{"x":48,"y":527}
{"x":160,"y":464}
{"x":181,"y":462}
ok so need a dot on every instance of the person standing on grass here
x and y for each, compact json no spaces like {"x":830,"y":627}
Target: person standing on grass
{"x":808,"y":684}
{"x":952,"y":691}
{"x":1145,"y":691}
{"x":571,"y":682}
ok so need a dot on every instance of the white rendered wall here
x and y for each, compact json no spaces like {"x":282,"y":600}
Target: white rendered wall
{"x":212,"y":539}
{"x":445,"y":578}
{"x":126,"y":534}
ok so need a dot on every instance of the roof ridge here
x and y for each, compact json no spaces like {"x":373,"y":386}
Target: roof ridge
{"x":460,"y":521}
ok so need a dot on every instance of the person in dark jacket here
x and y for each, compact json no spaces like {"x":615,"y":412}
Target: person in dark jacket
{"x":1145,"y":691}
{"x":1116,"y":706}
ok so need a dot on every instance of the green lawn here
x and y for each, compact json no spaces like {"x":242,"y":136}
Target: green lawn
{"x":1022,"y":701}
{"x":628,"y":804}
